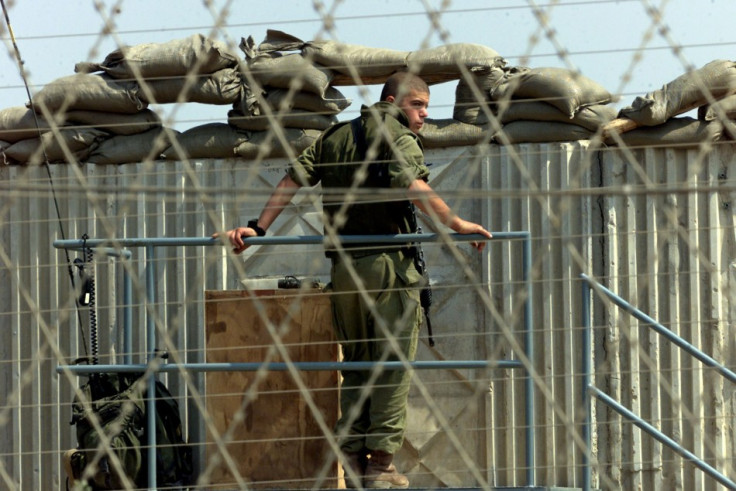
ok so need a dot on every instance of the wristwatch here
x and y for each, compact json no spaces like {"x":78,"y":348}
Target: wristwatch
{"x":254,"y":225}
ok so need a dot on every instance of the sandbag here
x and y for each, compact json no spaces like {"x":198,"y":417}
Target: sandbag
{"x":686,"y":92}
{"x":540,"y":132}
{"x":350,"y":59}
{"x":222,"y":87}
{"x":565,"y":89}
{"x":78,"y":141}
{"x":468,"y":107}
{"x":90,"y":92}
{"x":447,"y":59}
{"x":724,"y":108}
{"x":171,"y":59}
{"x":265,"y":144}
{"x":332,"y":102}
{"x":590,"y":117}
{"x":115,"y":123}
{"x":439,"y":133}
{"x":275,"y":41}
{"x":683,"y":131}
{"x":287,"y":71}
{"x":19,"y":123}
{"x":294,"y":118}
{"x":208,"y":141}
{"x":141,"y":147}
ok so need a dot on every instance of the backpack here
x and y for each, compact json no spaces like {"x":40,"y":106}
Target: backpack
{"x":118,"y":401}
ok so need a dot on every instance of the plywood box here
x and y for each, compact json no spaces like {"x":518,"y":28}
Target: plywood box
{"x":275,"y":439}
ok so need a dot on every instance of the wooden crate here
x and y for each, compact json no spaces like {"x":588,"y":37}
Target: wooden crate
{"x":276,"y":441}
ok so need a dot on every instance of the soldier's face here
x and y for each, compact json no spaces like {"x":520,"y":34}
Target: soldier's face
{"x":415,"y":105}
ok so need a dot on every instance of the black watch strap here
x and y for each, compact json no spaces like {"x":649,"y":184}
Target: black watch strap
{"x":254,"y":225}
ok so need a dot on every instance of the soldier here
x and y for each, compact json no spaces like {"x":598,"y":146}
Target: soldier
{"x":371,"y":428}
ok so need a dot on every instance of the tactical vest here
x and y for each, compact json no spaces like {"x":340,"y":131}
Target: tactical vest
{"x":370,"y":208}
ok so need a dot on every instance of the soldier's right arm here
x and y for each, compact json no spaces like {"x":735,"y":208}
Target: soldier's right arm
{"x":279,"y":199}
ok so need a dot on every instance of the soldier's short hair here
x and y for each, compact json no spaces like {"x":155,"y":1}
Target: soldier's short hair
{"x":401,"y":83}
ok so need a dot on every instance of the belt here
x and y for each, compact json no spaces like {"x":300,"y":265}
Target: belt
{"x":361,"y":253}
{"x":355,"y":254}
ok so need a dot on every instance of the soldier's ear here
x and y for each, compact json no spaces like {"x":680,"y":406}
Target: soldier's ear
{"x":390,"y":99}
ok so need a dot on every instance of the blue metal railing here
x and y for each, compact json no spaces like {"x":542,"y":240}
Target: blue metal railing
{"x":590,"y":390}
{"x":149,"y":244}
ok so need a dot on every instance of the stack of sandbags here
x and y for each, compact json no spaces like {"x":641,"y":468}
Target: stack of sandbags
{"x":193,"y":69}
{"x":292,"y":92}
{"x":348,"y":64}
{"x":534,"y":104}
{"x":223,"y":141}
{"x":473,"y":104}
{"x":90,"y":136}
{"x":288,"y":92}
{"x":653,"y":116}
{"x":29,"y":138}
{"x":88,"y":109}
{"x":85,"y":109}
{"x":103,"y":118}
{"x":361,"y":65}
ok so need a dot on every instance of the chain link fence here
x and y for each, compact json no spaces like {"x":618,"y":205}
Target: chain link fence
{"x":185,"y":137}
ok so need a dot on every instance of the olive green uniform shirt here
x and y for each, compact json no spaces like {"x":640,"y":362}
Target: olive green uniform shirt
{"x":334,"y":160}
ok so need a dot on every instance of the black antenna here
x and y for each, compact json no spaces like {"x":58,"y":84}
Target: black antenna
{"x":45,"y":161}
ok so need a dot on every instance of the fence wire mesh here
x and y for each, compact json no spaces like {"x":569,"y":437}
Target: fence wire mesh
{"x":183,"y":130}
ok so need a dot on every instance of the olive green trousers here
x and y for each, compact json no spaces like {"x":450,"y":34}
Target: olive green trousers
{"x":376,"y":314}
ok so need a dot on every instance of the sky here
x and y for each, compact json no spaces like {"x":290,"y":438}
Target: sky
{"x":617,"y":43}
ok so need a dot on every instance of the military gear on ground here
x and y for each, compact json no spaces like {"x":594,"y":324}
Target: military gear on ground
{"x":118,"y":403}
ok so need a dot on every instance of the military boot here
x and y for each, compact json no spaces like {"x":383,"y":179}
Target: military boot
{"x":356,"y":461}
{"x":381,"y":473}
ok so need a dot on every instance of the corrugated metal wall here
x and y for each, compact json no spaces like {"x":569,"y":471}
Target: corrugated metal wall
{"x":655,"y":225}
{"x":669,"y":249}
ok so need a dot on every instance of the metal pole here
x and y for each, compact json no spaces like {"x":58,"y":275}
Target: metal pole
{"x":662,"y":438}
{"x":587,"y":407}
{"x":674,"y":338}
{"x":127,"y":318}
{"x":529,"y":352}
{"x":284,"y":240}
{"x":151,"y":348}
{"x":300,"y":365}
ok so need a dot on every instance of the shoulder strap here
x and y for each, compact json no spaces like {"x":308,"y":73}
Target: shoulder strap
{"x":359,"y":137}
{"x":378,"y":170}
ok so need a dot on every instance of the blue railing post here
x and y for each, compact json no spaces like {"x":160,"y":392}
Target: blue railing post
{"x":152,"y":355}
{"x":586,"y":368}
{"x":127,"y":318}
{"x":529,"y":352}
